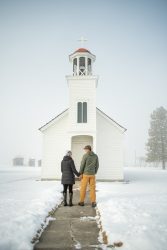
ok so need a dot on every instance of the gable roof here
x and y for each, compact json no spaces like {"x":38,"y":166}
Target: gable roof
{"x":49,"y":123}
{"x":108,"y":117}
{"x":46,"y":125}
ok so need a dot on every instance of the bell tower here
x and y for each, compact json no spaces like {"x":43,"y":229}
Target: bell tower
{"x":82,"y":61}
{"x":82,"y":85}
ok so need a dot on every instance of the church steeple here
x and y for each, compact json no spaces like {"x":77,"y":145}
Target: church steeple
{"x":82,"y":60}
{"x":82,"y":92}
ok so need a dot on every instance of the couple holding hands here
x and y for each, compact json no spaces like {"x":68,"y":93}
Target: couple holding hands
{"x":88,"y":169}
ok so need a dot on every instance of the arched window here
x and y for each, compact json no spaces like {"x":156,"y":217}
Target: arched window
{"x":82,"y":112}
{"x":75,"y":66}
{"x":82,"y":66}
{"x":79,"y":112}
{"x":89,"y":66}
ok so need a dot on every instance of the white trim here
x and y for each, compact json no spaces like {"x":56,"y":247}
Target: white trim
{"x":61,"y":115}
{"x":86,"y":77}
{"x":53,"y":121}
{"x":80,"y":54}
{"x":83,"y":77}
{"x":122,"y":129}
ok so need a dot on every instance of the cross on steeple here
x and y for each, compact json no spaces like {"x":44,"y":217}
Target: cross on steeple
{"x":82,"y":40}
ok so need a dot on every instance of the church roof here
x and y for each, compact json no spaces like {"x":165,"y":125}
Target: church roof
{"x":82,"y":50}
{"x":111,"y":119}
{"x":63,"y":113}
{"x":52,"y":120}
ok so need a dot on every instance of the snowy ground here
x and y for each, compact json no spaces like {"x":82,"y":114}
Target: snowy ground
{"x":136,"y":213}
{"x":24,"y":204}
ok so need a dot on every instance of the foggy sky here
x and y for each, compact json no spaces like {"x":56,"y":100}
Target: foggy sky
{"x":129,"y":39}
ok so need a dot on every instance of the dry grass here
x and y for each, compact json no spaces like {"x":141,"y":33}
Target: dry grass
{"x":104,"y":234}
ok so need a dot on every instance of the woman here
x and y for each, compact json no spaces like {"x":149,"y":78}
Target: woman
{"x":68,"y":178}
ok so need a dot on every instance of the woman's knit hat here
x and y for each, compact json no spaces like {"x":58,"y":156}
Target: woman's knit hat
{"x":68,"y":153}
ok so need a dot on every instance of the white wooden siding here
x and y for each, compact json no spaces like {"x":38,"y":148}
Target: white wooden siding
{"x":55,"y":143}
{"x":84,"y":90}
{"x":109,"y":147}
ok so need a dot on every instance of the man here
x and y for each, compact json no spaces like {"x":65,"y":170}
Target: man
{"x":88,"y":170}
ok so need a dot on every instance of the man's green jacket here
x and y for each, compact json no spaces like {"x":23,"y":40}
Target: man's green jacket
{"x":89,"y":164}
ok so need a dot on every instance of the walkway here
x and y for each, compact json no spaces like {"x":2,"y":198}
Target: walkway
{"x":74,"y":228}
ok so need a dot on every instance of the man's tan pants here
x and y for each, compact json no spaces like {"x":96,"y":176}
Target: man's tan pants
{"x":88,"y":179}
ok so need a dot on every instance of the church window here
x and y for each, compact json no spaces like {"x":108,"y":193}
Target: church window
{"x":75,"y":66}
{"x":89,"y":66}
{"x":82,"y":112}
{"x":82,"y":65}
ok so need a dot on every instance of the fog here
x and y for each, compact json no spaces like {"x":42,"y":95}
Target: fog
{"x":129,"y":39}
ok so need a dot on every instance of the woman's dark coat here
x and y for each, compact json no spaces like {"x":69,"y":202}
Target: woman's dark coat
{"x":68,"y":170}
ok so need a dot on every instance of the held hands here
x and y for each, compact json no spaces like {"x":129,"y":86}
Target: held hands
{"x":80,"y":177}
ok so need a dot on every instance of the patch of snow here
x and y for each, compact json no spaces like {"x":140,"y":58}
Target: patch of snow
{"x":135,"y":214}
{"x":78,"y":246}
{"x":24,"y":204}
{"x":87,"y":218}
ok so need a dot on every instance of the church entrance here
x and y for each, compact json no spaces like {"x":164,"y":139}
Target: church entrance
{"x":77,"y":144}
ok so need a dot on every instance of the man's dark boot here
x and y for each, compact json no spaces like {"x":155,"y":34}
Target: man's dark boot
{"x":93,"y":204}
{"x":65,"y":199}
{"x":70,"y":199}
{"x":81,"y":204}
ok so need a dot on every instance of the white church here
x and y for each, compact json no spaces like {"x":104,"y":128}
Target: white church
{"x":83,"y":124}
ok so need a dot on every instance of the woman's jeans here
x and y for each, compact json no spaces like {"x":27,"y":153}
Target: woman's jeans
{"x":68,"y":186}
